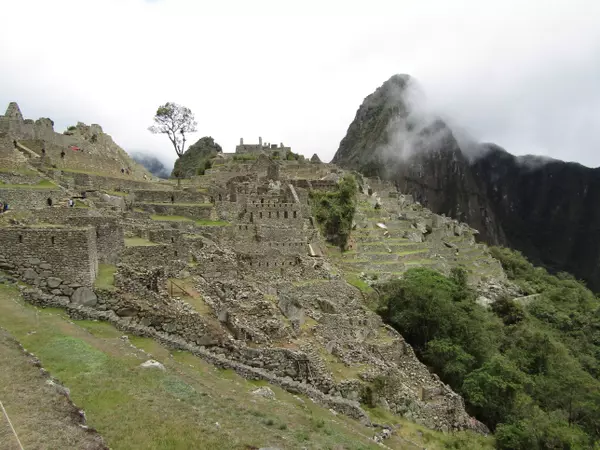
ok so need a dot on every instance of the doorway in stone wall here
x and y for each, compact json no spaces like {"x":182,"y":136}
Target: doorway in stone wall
{"x":49,"y":202}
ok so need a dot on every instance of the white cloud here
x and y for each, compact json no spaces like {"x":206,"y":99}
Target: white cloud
{"x":522,"y":75}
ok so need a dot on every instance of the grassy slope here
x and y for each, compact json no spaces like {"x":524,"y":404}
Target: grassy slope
{"x":180,"y":408}
{"x":42,"y":417}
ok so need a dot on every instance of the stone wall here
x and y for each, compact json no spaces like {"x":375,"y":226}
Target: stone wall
{"x":203,"y":211}
{"x":271,"y":212}
{"x":151,"y":255}
{"x":67,"y":253}
{"x":31,"y":198}
{"x":85,"y":180}
{"x":175,"y":196}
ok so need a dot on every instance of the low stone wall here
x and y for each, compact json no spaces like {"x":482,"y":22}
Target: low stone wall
{"x":84,"y":180}
{"x":37,"y":254}
{"x":338,"y":404}
{"x":108,"y":230}
{"x":203,"y":211}
{"x":19,"y":178}
{"x":30,"y":198}
{"x":175,"y":196}
{"x":150,"y":256}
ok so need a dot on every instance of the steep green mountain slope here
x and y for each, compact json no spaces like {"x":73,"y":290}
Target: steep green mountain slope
{"x":528,"y":368}
{"x":547,"y":209}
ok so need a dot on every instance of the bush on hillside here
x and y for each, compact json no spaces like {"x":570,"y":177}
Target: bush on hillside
{"x":530,"y":371}
{"x":334,"y":210}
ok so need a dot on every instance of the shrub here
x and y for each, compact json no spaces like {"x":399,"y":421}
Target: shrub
{"x":334,"y":210}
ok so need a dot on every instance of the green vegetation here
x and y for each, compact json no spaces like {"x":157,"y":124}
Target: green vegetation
{"x":334,"y":210}
{"x":201,"y":222}
{"x":197,"y":158}
{"x":42,"y":184}
{"x":105,"y":278}
{"x":211,"y":223}
{"x":170,"y":218}
{"x":530,"y":372}
{"x":189,"y":405}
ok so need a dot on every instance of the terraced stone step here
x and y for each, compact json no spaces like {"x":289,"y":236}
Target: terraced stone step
{"x":391,"y":247}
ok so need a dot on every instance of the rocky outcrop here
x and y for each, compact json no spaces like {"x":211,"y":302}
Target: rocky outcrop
{"x":544,"y":208}
{"x":197,"y":158}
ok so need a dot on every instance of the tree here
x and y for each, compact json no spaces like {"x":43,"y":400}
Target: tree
{"x":175,"y":121}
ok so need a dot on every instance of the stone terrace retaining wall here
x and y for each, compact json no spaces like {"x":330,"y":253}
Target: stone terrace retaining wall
{"x":112,"y":183}
{"x":176,"y":196}
{"x":168,"y":209}
{"x":151,"y":255}
{"x":30,"y":198}
{"x":67,"y":253}
{"x":339,"y":404}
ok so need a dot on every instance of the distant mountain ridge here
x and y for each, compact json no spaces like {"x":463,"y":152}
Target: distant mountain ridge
{"x":151,"y":163}
{"x":543,"y":207}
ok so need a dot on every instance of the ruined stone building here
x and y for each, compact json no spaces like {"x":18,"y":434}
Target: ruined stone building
{"x":231,"y":266}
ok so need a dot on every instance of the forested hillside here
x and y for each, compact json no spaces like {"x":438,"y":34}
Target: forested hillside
{"x":529,"y":368}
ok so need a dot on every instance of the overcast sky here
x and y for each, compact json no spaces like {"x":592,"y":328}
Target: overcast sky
{"x":524,"y":76}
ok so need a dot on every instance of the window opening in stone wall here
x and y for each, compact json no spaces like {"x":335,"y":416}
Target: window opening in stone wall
{"x":285,"y":214}
{"x":295,"y":214}
{"x":251,"y":217}
{"x":246,"y":227}
{"x":262,"y":200}
{"x":52,"y":240}
{"x":172,"y":199}
{"x":20,"y":239}
{"x":269,"y":214}
{"x":175,"y":252}
{"x":49,"y":202}
{"x":278,"y":214}
{"x":260,"y":214}
{"x":172,"y":239}
{"x":220,"y":197}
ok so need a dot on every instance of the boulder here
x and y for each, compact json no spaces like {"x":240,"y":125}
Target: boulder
{"x":29,"y":274}
{"x":84,"y":296}
{"x":53,"y":282}
{"x":265,"y":392}
{"x":152,"y":364}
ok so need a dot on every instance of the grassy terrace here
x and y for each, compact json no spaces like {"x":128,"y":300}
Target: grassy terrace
{"x":179,"y":408}
{"x":43,"y":184}
{"x":105,"y":279}
{"x":201,"y":222}
{"x":203,"y":205}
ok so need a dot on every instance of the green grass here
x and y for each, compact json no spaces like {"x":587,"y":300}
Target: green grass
{"x":105,"y":279}
{"x":160,"y":217}
{"x":203,"y":205}
{"x":212,"y":223}
{"x":139,"y":242}
{"x":43,"y":184}
{"x":358,"y":283}
{"x":80,"y":204}
{"x":135,"y":408}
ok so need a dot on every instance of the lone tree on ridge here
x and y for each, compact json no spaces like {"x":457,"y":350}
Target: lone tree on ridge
{"x":174,"y":120}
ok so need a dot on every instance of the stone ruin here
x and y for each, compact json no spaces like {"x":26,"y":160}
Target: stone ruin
{"x":233,"y":268}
